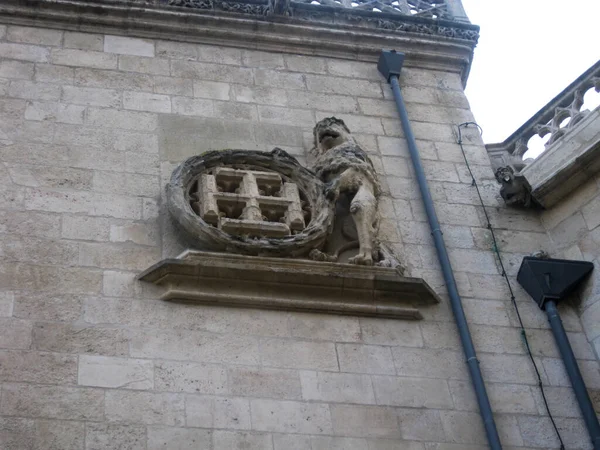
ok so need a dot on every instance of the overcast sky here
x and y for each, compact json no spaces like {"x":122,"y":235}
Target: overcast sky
{"x":529,"y":51}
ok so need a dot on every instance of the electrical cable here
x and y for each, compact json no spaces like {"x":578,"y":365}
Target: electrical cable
{"x":505,"y":275}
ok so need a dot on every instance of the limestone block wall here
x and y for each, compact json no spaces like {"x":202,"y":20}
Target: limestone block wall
{"x":573,"y":225}
{"x":91,"y":126}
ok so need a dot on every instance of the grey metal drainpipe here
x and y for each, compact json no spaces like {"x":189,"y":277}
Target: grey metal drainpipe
{"x":583,"y":398}
{"x":390,"y":64}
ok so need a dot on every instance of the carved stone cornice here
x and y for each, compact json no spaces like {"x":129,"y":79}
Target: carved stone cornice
{"x":290,"y":285}
{"x":321,"y":31}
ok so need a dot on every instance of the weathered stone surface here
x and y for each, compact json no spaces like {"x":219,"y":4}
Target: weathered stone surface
{"x":505,"y":398}
{"x":412,"y":392}
{"x":91,"y":96}
{"x":126,"y":257}
{"x":80,"y":339}
{"x":344,"y":86}
{"x":144,"y":65}
{"x":6,"y":304}
{"x":33,"y":91}
{"x":321,"y":327}
{"x":83,"y":58}
{"x":110,"y":79}
{"x":105,"y":436}
{"x":118,"y":284}
{"x":226,"y":440}
{"x":31,"y":35}
{"x":365,"y":421}
{"x":291,"y":417}
{"x":299,"y":354}
{"x":269,"y":383}
{"x":441,"y":363}
{"x":126,"y":120}
{"x":83,"y":202}
{"x":49,"y":73}
{"x":421,"y":425}
{"x":211,"y":72}
{"x":108,"y":372}
{"x":16,"y":70}
{"x":178,"y":438}
{"x":141,"y":101}
{"x":51,"y":279}
{"x":16,"y":433}
{"x":84,"y":41}
{"x":145,"y":407}
{"x":369,"y":359}
{"x":332,"y":443}
{"x":53,"y":402}
{"x":24,"y":52}
{"x":31,"y":224}
{"x":59,"y":435}
{"x":39,"y":251}
{"x":390,"y":332}
{"x":55,"y":112}
{"x":337,"y":387}
{"x":217,"y":412}
{"x":15,"y":333}
{"x":191,"y":377}
{"x":37,"y":367}
{"x":194,"y":346}
{"x":128,"y":46}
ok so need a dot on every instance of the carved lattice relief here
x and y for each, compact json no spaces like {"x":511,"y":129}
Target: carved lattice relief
{"x":249,"y":203}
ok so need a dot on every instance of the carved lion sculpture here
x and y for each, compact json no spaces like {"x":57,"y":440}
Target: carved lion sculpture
{"x":346,"y":169}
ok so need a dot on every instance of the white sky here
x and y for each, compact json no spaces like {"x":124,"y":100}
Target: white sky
{"x":528,"y":52}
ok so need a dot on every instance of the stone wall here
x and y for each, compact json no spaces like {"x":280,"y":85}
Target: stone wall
{"x":573,"y":225}
{"x":90,"y":129}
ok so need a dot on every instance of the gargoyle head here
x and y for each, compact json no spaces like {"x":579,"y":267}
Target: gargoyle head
{"x":515,"y":191}
{"x":330,"y":132}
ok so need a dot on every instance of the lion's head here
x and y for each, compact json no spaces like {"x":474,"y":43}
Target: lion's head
{"x":330,"y":132}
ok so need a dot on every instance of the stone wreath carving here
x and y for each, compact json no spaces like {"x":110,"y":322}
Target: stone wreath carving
{"x":261,"y":203}
{"x":249,"y":202}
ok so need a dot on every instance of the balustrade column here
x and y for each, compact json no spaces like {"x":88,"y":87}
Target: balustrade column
{"x":457,"y":11}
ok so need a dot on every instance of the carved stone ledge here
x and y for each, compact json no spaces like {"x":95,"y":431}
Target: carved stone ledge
{"x":567,"y":163}
{"x":290,"y":285}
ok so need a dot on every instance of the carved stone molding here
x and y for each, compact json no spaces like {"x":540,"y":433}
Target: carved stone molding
{"x":423,"y":21}
{"x":290,"y":285}
{"x":312,"y":30}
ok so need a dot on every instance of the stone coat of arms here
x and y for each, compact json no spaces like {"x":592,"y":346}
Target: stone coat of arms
{"x":268,"y":204}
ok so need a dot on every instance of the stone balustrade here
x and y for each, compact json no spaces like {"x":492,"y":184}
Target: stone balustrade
{"x":558,"y":117}
{"x":449,"y":10}
{"x":571,"y":153}
{"x":432,"y":9}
